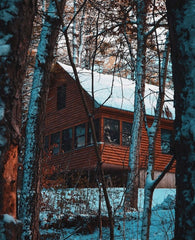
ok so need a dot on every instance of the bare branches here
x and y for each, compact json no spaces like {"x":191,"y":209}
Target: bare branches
{"x":155,"y":25}
{"x":101,"y":174}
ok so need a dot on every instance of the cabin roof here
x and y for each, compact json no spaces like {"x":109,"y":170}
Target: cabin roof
{"x":117,"y":92}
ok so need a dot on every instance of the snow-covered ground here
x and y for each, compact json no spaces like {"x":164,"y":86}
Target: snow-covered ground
{"x":67,"y":214}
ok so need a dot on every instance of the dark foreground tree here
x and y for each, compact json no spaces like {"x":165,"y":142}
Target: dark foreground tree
{"x":181,"y":17}
{"x":16,"y":21}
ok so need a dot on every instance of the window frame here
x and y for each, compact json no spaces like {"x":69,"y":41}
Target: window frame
{"x":61,"y":97}
{"x":68,"y":139}
{"x":97,"y":131}
{"x":111,"y":132}
{"x":55,"y":149}
{"x":46,"y":143}
{"x":83,"y":135}
{"x":124,"y":133}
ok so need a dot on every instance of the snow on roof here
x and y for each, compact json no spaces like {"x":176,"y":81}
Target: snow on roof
{"x":117,"y":92}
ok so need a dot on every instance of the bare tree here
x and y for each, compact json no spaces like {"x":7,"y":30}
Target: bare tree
{"x":29,"y":204}
{"x":131,"y":192}
{"x":150,"y":182}
{"x":181,"y":20}
{"x":91,"y":120}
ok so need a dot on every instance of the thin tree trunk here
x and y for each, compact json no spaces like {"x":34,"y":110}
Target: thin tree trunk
{"x":16,"y":21}
{"x":74,"y":35}
{"x":97,"y":151}
{"x":90,"y":116}
{"x":131,"y":187}
{"x":29,"y":204}
{"x":150,"y":183}
{"x":81,"y":37}
{"x":181,"y":18}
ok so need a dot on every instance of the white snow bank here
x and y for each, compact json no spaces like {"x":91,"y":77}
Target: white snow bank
{"x":86,"y":200}
{"x":61,"y":202}
{"x":159,"y":196}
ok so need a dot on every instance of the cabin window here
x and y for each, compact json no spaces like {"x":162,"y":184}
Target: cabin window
{"x":111,"y":131}
{"x":80,"y":136}
{"x":126,"y":133}
{"x":46,"y":144}
{"x":89,"y":134}
{"x":61,"y":97}
{"x":67,"y":140}
{"x":55,"y":143}
{"x":167,"y":141}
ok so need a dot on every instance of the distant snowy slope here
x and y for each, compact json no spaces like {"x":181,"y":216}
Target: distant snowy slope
{"x":117,"y":92}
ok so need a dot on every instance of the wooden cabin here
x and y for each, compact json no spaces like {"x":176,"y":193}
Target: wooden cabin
{"x":68,"y":138}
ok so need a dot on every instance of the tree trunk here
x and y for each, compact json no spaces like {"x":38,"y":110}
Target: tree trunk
{"x":150,"y":183}
{"x":16,"y":21}
{"x":181,"y":20}
{"x":132,"y":187}
{"x":29,"y":204}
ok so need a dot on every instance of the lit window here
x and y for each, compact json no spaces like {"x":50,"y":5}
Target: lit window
{"x":80,"y":136}
{"x":55,"y":143}
{"x":111,"y":131}
{"x":126,"y":133}
{"x":167,"y":141}
{"x":61,"y":97}
{"x":67,"y":139}
{"x":89,"y":135}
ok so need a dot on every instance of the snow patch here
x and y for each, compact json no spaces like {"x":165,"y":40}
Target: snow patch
{"x":5,"y":49}
{"x":9,"y":219}
{"x":55,"y":212}
{"x":4,"y":46}
{"x":159,"y":196}
{"x":2,"y":109}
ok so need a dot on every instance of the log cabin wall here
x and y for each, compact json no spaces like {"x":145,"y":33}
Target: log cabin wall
{"x":118,"y":154}
{"x":114,"y":156}
{"x":72,"y":115}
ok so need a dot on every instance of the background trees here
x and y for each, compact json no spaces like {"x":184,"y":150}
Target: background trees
{"x":122,"y":43}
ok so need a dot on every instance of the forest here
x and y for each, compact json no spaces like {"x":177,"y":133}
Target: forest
{"x":148,"y":43}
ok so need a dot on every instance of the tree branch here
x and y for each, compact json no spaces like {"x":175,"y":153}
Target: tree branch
{"x":167,"y":168}
{"x":154,"y":28}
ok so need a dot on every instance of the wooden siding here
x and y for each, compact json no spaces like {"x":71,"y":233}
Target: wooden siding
{"x":74,"y":114}
{"x":82,"y":158}
{"x":117,"y":154}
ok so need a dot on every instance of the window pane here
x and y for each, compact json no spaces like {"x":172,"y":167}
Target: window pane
{"x":80,"y":136}
{"x":166,"y":141}
{"x":46,"y":143}
{"x":111,"y":130}
{"x":126,"y":133}
{"x":61,"y":97}
{"x":55,"y":143}
{"x":89,"y":136}
{"x":67,"y":139}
